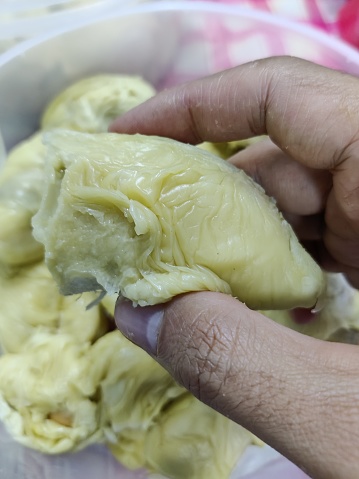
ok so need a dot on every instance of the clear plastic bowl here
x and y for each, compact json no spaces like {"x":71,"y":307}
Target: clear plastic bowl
{"x":24,"y":19}
{"x":167,"y":43}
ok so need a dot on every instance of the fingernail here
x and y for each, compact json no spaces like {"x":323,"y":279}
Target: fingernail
{"x":141,"y":325}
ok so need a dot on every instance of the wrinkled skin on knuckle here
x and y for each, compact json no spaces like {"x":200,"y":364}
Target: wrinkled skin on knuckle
{"x":257,"y":106}
{"x":215,"y":357}
{"x":192,"y":105}
{"x":341,"y":236}
{"x":202,"y":355}
{"x":347,"y":183}
{"x":301,"y":101}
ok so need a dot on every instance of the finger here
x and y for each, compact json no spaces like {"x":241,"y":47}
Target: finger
{"x":266,"y":377}
{"x":297,"y":189}
{"x":307,"y":228}
{"x":299,"y":104}
{"x":352,"y":275}
{"x":310,"y":112}
{"x":341,"y":237}
{"x":321,"y":255}
{"x":328,"y":263}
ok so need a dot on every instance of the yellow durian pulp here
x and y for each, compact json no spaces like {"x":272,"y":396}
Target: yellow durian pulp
{"x":152,"y":218}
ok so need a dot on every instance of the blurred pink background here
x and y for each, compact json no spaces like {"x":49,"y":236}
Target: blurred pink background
{"x":338,"y":17}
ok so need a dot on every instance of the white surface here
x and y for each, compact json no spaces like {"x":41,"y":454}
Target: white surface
{"x":23,"y":20}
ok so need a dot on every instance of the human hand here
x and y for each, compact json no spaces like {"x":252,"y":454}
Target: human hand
{"x":298,"y":394}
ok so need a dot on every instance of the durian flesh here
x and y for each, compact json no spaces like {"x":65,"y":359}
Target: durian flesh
{"x":91,"y":104}
{"x":88,"y":105}
{"x":30,"y":302}
{"x":46,"y":394}
{"x":21,"y":189}
{"x":152,"y":218}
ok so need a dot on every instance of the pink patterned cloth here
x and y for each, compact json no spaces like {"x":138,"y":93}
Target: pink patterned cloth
{"x":319,"y":13}
{"x":218,"y":42}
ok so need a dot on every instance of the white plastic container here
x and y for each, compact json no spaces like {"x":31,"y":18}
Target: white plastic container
{"x":167,"y":43}
{"x":24,"y":19}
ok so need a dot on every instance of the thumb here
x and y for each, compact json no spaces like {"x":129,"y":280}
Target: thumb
{"x":281,"y":385}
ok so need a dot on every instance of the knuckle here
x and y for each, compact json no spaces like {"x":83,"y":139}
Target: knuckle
{"x":216,"y":354}
{"x":203,"y":361}
{"x":192,"y":100}
{"x":350,"y":202}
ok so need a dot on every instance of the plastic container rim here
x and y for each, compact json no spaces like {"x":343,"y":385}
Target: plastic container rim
{"x":8,"y":6}
{"x":74,"y":15}
{"x":122,"y":10}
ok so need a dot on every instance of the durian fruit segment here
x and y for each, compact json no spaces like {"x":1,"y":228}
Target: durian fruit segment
{"x":21,"y":189}
{"x":227,"y":149}
{"x":31,"y":303}
{"x":46,"y":395}
{"x":134,"y":389}
{"x":109,"y":304}
{"x":91,"y":104}
{"x":192,"y":440}
{"x":27,"y":155}
{"x":88,"y":105}
{"x":152,"y":218}
{"x":141,"y":405}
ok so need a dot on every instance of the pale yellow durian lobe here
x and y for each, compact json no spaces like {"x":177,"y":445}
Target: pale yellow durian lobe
{"x":46,"y":395}
{"x":202,"y":455}
{"x":229,"y":148}
{"x":45,"y":310}
{"x":152,"y":218}
{"x":21,"y":188}
{"x":91,"y":104}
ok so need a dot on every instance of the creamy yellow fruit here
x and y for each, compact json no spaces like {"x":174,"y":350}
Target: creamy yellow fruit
{"x":21,"y":188}
{"x":227,"y":149}
{"x":109,"y":303}
{"x":20,"y":198}
{"x":88,"y":105}
{"x":30,"y":302}
{"x":179,"y":445}
{"x":27,"y":155}
{"x":149,"y":421}
{"x":60,"y":395}
{"x":152,"y":218}
{"x":92,"y":103}
{"x":46,"y":394}
{"x":133,"y":390}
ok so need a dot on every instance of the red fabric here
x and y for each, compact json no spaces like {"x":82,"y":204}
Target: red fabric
{"x":348,"y":22}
